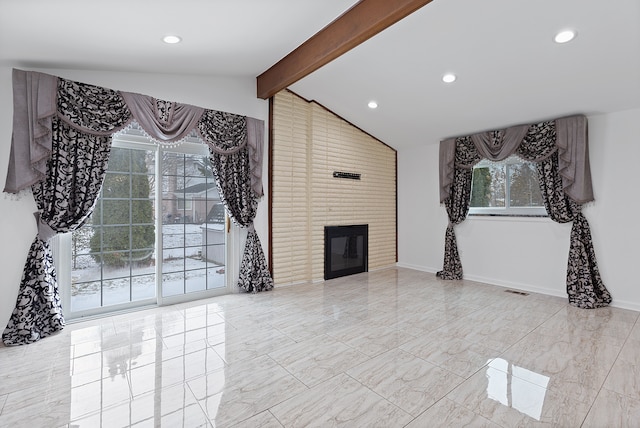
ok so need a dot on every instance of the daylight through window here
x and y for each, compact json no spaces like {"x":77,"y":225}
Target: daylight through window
{"x":509,"y":187}
{"x":157,"y":230}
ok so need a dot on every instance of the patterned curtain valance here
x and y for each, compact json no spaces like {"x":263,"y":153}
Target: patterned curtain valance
{"x":567,"y":136}
{"x":94,"y":110}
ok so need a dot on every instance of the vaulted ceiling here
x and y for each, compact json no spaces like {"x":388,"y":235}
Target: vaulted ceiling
{"x":508,"y":68}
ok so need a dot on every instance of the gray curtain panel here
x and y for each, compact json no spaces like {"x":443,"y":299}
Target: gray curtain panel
{"x":457,"y":205}
{"x":560,"y":150}
{"x":585,"y":288}
{"x":65,"y":199}
{"x":60,"y":146}
{"x":232,"y":166}
{"x":463,"y":155}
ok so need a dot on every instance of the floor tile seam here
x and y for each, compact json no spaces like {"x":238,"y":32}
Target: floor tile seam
{"x":525,"y":336}
{"x":470,"y":410}
{"x":162,"y":361}
{"x":427,"y":409}
{"x":26,"y":368}
{"x":3,"y":401}
{"x":131,"y":400}
{"x":99,"y":351}
{"x":198,"y":402}
{"x":369,"y":357}
{"x":586,"y":415}
{"x":145,"y":365}
{"x":100,"y":411}
{"x":465,"y":378}
{"x":102,"y":378}
{"x":292,"y":373}
{"x":566,"y":336}
{"x":318,"y":382}
{"x":427,"y":361}
{"x":611,"y":368}
{"x":469,"y":407}
{"x":628,"y":338}
{"x":40,"y":417}
{"x":274,"y":416}
{"x":34,"y":410}
{"x":462,"y":380}
{"x":237,"y":422}
{"x":549,"y":387}
{"x":173,"y":384}
{"x":623,"y":394}
{"x":379,"y":395}
{"x":291,"y":337}
{"x":269,"y":408}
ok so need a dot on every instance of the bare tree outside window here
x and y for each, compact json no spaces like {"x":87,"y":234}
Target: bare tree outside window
{"x":509,"y":187}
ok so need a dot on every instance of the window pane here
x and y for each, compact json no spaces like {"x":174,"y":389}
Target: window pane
{"x":488,"y":186}
{"x":116,"y":185}
{"x":172,"y":237}
{"x":481,"y":187}
{"x":115,"y":211}
{"x":119,"y":238}
{"x":196,"y":280}
{"x":215,"y":277}
{"x":143,"y":237}
{"x":173,"y":284}
{"x":85,"y":295}
{"x":524,"y":187}
{"x":174,"y":262}
{"x":115,"y":238}
{"x":142,"y":211}
{"x":113,"y":271}
{"x":143,"y":286}
{"x":116,"y":291}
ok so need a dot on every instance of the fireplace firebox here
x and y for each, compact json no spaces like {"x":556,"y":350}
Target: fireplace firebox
{"x":345,"y":250}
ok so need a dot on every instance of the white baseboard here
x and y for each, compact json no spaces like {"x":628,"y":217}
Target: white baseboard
{"x":517,"y":286}
{"x":417,"y":267}
{"x":622,"y":304}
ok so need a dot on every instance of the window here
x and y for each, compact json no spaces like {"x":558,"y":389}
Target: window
{"x":185,"y":204}
{"x":509,"y":187}
{"x":149,"y":237}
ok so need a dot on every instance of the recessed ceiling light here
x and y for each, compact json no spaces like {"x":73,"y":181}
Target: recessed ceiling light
{"x":449,"y":78}
{"x":373,"y":104}
{"x":171,"y":39}
{"x":564,"y":36}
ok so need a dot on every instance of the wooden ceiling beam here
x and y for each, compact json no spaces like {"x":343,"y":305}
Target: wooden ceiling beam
{"x":363,"y":21}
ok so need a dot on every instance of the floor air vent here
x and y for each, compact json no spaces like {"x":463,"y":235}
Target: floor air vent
{"x":521,"y":293}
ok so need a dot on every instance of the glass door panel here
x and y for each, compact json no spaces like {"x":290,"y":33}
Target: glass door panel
{"x":158,"y":231}
{"x":193,"y":232}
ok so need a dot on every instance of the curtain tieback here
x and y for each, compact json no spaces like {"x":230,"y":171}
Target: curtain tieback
{"x":45,"y":232}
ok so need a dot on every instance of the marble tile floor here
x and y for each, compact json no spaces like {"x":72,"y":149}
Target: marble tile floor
{"x":391,"y":348}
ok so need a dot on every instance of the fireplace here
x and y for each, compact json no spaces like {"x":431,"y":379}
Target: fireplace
{"x":345,"y":250}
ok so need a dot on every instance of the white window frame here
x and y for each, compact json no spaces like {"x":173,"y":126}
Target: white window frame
{"x":507,"y":210}
{"x":235,"y":238}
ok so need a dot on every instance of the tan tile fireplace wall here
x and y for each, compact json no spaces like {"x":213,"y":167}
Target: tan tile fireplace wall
{"x":308,"y":144}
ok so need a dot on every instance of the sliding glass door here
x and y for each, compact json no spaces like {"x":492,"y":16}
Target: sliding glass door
{"x":158,"y":233}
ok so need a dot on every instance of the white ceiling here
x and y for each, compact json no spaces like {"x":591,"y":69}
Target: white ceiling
{"x":509,"y":70}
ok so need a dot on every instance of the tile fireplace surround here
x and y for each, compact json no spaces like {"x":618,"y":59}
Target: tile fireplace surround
{"x":388,"y":348}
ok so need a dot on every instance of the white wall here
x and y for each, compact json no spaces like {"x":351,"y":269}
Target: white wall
{"x":17,"y":227}
{"x":501,"y":252}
